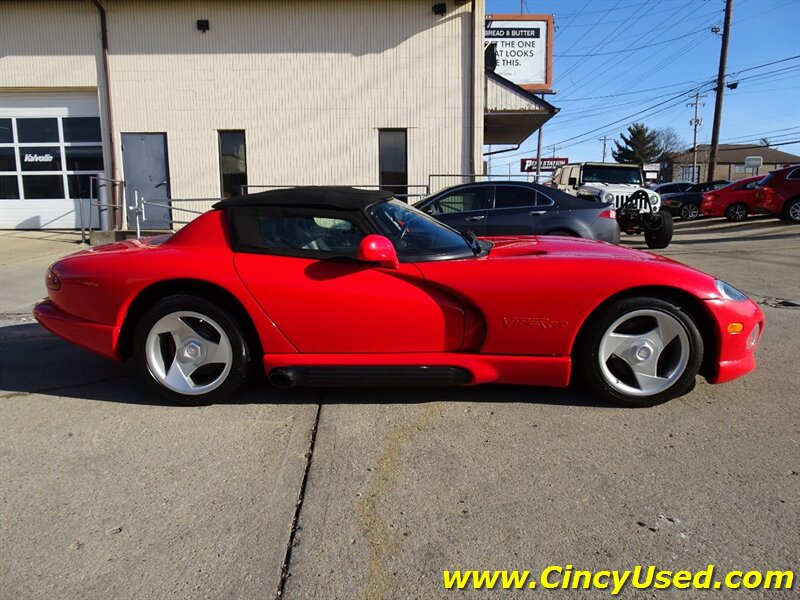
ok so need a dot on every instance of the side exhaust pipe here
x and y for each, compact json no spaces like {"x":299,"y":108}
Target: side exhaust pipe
{"x":282,"y":378}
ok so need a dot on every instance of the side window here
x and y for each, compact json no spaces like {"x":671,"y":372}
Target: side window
{"x":279,"y":232}
{"x":794,"y":174}
{"x":542,"y":200}
{"x":512,"y":196}
{"x":461,"y":201}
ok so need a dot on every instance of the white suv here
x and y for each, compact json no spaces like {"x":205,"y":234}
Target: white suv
{"x":638,"y":209}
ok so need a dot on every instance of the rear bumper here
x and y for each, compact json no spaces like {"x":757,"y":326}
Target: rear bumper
{"x":712,"y":209}
{"x":606,"y":230}
{"x":96,"y":337}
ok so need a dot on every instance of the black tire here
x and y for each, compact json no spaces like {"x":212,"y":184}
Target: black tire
{"x":562,"y":233}
{"x":689,"y":211}
{"x":661,"y":236}
{"x":791,"y":211}
{"x":616,"y":382}
{"x":737,"y":212}
{"x":210,"y":327}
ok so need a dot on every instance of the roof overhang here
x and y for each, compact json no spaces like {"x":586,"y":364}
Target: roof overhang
{"x":512,"y":114}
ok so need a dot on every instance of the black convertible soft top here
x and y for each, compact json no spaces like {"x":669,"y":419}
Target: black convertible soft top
{"x":343,"y":198}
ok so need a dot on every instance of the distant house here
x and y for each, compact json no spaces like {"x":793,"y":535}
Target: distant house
{"x":730,"y":162}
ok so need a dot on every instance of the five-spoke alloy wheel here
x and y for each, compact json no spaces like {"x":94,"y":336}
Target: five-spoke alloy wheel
{"x":191,"y":350}
{"x":640,"y":351}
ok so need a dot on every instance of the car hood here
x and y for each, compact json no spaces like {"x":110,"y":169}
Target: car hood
{"x":564,"y":247}
{"x":614,"y":187}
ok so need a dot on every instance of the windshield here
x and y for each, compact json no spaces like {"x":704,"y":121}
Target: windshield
{"x":415,"y":234}
{"x":611,"y":174}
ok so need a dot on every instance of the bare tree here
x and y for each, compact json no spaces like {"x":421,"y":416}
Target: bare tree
{"x":669,"y":141}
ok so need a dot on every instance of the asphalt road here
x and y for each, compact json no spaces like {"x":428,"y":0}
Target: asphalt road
{"x":107,"y":492}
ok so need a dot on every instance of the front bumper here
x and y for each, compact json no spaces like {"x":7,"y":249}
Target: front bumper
{"x":96,"y":337}
{"x":734,"y":359}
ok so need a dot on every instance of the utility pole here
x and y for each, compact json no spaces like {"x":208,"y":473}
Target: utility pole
{"x":603,"y":139}
{"x":696,"y":122}
{"x":539,"y":152}
{"x":723,"y":59}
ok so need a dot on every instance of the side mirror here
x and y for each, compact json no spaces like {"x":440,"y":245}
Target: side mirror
{"x":573,"y":181}
{"x":378,"y":249}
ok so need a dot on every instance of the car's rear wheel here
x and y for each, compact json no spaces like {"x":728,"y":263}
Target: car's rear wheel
{"x":562,"y":233}
{"x":689,"y":211}
{"x":640,"y":352}
{"x":791,"y":211}
{"x":737,"y":212}
{"x":192,"y":351}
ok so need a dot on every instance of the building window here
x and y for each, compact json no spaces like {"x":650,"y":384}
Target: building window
{"x":49,"y":158}
{"x":686,"y":173}
{"x":393,"y":160}
{"x":232,"y":163}
{"x":6,"y":133}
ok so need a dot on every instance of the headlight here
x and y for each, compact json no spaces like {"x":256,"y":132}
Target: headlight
{"x":608,"y":197}
{"x":729,"y":292}
{"x":753,"y":337}
{"x":654,"y":200}
{"x":52,"y":280}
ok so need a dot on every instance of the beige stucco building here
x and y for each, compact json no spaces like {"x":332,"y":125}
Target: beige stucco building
{"x":185,"y":100}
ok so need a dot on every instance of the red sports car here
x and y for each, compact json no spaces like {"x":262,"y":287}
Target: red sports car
{"x":734,"y":201}
{"x":337,"y":286}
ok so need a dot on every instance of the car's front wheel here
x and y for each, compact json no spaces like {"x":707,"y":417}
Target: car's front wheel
{"x":659,"y":231}
{"x":192,"y":351}
{"x":791,"y":211}
{"x":640,"y":352}
{"x":689,"y":212}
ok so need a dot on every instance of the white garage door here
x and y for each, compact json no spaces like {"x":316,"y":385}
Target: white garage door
{"x":50,"y":147}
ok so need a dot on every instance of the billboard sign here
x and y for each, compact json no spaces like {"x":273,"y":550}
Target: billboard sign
{"x":524,"y":49}
{"x":528,"y":165}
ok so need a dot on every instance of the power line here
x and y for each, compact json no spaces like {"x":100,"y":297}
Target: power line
{"x":703,"y":30}
{"x":562,"y":29}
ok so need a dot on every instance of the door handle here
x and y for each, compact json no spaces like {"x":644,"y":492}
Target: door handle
{"x":475,"y":218}
{"x":536,"y":213}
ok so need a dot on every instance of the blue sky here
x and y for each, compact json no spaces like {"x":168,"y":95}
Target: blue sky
{"x":682,"y":56}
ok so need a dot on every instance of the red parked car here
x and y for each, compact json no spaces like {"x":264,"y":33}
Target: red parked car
{"x":779,"y":193}
{"x":734,"y":201}
{"x":337,"y":286}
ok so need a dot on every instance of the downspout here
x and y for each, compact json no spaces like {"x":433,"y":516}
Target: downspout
{"x":109,"y":114}
{"x":472,"y":103}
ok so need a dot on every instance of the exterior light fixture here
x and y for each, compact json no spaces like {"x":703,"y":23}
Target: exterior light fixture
{"x":439,"y":9}
{"x":203,"y":25}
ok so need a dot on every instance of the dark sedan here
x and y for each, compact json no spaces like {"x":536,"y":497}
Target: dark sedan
{"x":495,"y":208}
{"x":686,"y":205}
